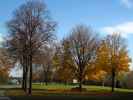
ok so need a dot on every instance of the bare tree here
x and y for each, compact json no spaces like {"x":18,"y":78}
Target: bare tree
{"x":83,"y":44}
{"x":44,"y":57}
{"x":30,"y":28}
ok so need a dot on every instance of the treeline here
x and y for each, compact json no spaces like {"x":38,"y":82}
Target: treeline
{"x":82,"y":55}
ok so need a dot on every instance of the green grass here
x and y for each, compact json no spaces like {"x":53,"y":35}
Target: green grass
{"x":53,"y":86}
{"x":62,"y":89}
{"x":92,"y":88}
{"x":106,"y":89}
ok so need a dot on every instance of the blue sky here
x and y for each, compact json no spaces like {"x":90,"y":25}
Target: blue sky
{"x":104,"y":16}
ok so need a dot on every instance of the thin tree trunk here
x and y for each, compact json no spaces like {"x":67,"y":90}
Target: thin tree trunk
{"x":24,"y":87}
{"x":46,"y":80}
{"x":80,"y":82}
{"x":80,"y":85}
{"x":25,"y":81}
{"x":22,"y":63}
{"x":25,"y":73}
{"x":80,"y":77}
{"x":113,"y":79}
{"x":45,"y":75}
{"x":30,"y":75}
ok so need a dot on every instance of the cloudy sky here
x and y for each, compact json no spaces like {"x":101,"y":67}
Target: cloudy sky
{"x":104,"y":16}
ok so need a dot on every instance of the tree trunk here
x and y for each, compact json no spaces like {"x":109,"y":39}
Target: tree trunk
{"x":22,"y":63}
{"x":46,"y":80}
{"x":80,"y":82}
{"x":26,"y":64}
{"x":80,"y":85}
{"x":30,"y":75}
{"x":80,"y":77}
{"x":46,"y":83}
{"x":24,"y":81}
{"x":45,"y":71}
{"x":113,"y":79}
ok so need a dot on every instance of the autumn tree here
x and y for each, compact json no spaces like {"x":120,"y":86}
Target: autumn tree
{"x":63,"y":62}
{"x":6,"y":63}
{"x":30,"y":28}
{"x":112,"y":56}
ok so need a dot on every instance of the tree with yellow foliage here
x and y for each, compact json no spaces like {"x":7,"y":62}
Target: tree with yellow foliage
{"x":6,"y":63}
{"x":63,"y":62}
{"x":112,"y":56}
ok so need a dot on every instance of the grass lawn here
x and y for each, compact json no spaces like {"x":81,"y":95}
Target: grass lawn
{"x":90,"y":88}
{"x":62,"y":90}
{"x":53,"y":86}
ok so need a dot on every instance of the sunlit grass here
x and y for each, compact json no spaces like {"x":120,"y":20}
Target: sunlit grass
{"x":62,"y":89}
{"x":53,"y":86}
{"x":90,"y":88}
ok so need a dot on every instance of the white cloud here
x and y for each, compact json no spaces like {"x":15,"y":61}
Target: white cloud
{"x":124,"y":29}
{"x":1,"y":38}
{"x":127,"y":3}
